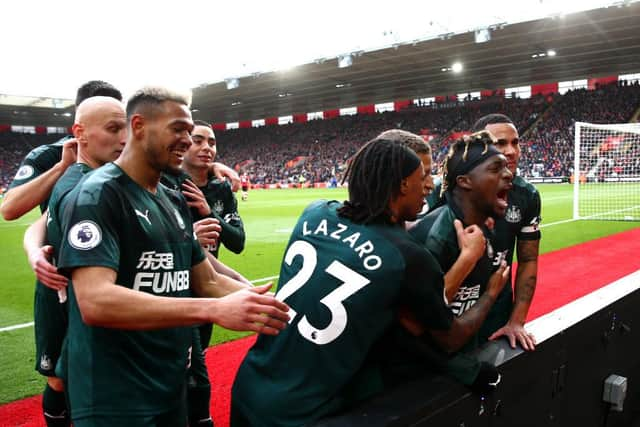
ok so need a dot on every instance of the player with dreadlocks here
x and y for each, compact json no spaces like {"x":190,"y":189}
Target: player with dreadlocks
{"x":347,"y":268}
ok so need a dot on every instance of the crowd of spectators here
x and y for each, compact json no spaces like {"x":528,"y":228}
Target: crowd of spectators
{"x":13,"y":148}
{"x":318,"y":150}
{"x":548,"y":148}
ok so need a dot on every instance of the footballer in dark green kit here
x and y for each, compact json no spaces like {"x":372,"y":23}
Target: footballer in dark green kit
{"x":476,"y":182}
{"x":519,"y":228}
{"x":347,"y":269}
{"x":100,"y":131}
{"x":134,"y":261}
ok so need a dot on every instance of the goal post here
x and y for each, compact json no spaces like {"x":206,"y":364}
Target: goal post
{"x":606,"y":172}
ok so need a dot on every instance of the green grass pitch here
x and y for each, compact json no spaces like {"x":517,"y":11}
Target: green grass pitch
{"x":269,"y":217}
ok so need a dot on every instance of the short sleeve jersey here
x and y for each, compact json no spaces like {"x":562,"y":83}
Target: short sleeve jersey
{"x":67,"y":182}
{"x":111,"y":221}
{"x":437,"y":233}
{"x":343,"y":282}
{"x":521,"y":222}
{"x":38,"y":161}
{"x":224,"y":207}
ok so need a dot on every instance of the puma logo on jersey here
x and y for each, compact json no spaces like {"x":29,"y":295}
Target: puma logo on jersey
{"x":144,"y":215}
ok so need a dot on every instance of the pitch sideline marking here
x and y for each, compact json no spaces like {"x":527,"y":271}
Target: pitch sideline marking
{"x":29,"y":324}
{"x":264,"y":279}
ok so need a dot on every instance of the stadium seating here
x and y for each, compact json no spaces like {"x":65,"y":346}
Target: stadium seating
{"x":318,"y":149}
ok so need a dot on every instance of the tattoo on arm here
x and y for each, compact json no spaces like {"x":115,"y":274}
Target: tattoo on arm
{"x":528,"y":250}
{"x":527,"y":270}
{"x":525,"y":291}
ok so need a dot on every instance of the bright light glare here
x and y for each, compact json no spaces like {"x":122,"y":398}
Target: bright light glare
{"x":551,"y":52}
{"x":456,"y":67}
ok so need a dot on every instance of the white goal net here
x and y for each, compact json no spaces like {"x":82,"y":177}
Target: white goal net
{"x":606,"y":175}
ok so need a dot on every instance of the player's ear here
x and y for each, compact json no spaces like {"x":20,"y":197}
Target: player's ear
{"x":137,"y":126}
{"x":464,"y":181}
{"x":78,"y":131}
{"x":404,"y":186}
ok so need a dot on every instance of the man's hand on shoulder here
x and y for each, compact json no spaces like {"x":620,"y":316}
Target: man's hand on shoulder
{"x":224,"y":172}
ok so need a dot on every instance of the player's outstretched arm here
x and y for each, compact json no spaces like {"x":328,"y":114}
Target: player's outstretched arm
{"x":465,"y":326}
{"x":221,"y":171}
{"x":40,"y":256}
{"x":206,"y":282}
{"x":526,"y":278}
{"x":252,"y":309}
{"x":21,"y":199}
{"x":104,"y":303}
{"x":472,"y":245}
{"x":224,"y":269}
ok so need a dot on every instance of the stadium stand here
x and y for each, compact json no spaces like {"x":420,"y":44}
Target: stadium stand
{"x":318,"y":150}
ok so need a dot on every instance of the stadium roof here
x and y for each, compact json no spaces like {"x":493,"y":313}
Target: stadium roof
{"x":595,"y":43}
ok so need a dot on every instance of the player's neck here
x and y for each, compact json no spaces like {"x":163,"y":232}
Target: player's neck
{"x":470,"y":213}
{"x":199,"y":176}
{"x":87,"y":160}
{"x":138,"y":168}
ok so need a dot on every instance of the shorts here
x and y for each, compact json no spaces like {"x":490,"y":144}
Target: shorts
{"x":245,"y":188}
{"x":197,"y":374}
{"x":50,"y":319}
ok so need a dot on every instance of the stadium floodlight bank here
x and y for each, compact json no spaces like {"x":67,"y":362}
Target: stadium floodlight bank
{"x":606,"y":178}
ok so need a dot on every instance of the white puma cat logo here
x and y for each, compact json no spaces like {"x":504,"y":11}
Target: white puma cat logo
{"x":145,"y":215}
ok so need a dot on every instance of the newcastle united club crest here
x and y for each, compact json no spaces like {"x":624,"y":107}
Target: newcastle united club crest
{"x":513,"y":214}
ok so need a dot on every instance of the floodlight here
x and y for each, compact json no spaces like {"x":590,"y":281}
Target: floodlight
{"x":345,"y":61}
{"x":551,"y":52}
{"x":482,"y":35}
{"x":456,"y":67}
{"x":232,"y":83}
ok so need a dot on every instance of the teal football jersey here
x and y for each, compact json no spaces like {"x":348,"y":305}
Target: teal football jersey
{"x":38,"y":161}
{"x":343,"y":282}
{"x":111,"y":221}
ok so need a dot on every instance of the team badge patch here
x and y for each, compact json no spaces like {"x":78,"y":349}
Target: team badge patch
{"x":179,"y":219}
{"x":513,"y":214}
{"x":218,"y":207}
{"x":85,"y":235}
{"x":24,"y":172}
{"x":45,"y":362}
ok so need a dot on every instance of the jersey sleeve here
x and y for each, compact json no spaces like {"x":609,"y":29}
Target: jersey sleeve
{"x":232,"y":234}
{"x":424,"y":295}
{"x":90,"y":230}
{"x":531,"y":222}
{"x":197,"y":254}
{"x":35,"y":164}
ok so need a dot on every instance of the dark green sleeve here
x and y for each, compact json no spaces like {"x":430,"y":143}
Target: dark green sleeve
{"x":425,"y":289}
{"x":90,"y":237}
{"x":232,"y":235}
{"x":531,"y":224}
{"x":197,"y":254}
{"x":37,"y":162}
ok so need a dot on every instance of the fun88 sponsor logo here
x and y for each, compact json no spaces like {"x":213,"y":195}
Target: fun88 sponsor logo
{"x":156,"y":281}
